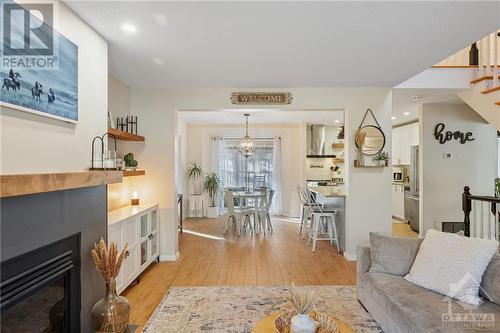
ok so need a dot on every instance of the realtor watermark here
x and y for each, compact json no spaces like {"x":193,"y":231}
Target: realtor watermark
{"x":29,"y":41}
{"x":466,"y":316}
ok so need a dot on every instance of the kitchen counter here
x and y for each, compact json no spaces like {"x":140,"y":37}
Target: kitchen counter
{"x":406,"y":185}
{"x":329,"y":191}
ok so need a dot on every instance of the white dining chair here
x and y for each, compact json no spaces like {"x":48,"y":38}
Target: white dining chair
{"x":236,"y":214}
{"x":264,"y":206}
{"x":322,"y":222}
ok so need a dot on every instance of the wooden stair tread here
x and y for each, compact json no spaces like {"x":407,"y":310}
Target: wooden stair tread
{"x":487,"y":91}
{"x":483,"y":78}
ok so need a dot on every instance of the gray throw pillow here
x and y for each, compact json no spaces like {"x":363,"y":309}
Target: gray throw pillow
{"x":393,"y":255}
{"x":490,"y":284}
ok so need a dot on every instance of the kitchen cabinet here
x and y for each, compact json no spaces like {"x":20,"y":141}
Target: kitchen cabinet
{"x":402,"y":139}
{"x":136,"y":226}
{"x":398,"y":201}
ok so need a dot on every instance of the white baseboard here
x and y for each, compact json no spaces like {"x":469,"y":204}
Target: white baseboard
{"x":165,"y":257}
{"x":350,"y":257}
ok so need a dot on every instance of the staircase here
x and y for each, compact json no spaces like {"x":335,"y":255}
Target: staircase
{"x":484,"y":98}
{"x":484,"y":95}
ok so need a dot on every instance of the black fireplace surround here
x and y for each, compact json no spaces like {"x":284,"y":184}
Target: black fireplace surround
{"x":45,"y":259}
{"x":40,"y":290}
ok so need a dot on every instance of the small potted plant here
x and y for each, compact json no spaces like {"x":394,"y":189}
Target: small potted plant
{"x":211,"y":186}
{"x":382,"y":158}
{"x":195,"y":173}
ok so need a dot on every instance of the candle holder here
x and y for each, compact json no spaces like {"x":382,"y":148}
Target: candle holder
{"x":135,"y":199}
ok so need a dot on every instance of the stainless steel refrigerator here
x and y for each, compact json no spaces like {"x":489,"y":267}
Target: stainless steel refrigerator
{"x":412,"y":195}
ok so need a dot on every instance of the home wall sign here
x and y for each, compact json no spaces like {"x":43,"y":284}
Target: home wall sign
{"x":261,"y":98}
{"x":443,"y":136}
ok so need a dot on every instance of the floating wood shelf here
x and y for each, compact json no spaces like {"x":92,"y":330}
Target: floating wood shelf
{"x":497,"y":103}
{"x":357,"y":165}
{"x":125,"y":136}
{"x":487,"y":91}
{"x":132,"y":173}
{"x":24,"y":184}
{"x":338,"y":160}
{"x":338,"y":146}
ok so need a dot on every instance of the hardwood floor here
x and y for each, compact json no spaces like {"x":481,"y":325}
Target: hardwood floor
{"x":208,"y":259}
{"x":400,"y":229}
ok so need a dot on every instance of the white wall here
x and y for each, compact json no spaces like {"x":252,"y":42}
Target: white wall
{"x":199,"y":148}
{"x":31,"y":143}
{"x":119,"y":98}
{"x":473,"y":164}
{"x":368,"y":206}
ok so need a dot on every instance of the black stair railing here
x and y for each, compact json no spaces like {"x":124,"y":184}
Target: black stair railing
{"x":485,"y":221}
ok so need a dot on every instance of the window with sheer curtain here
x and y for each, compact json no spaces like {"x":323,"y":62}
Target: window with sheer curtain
{"x":230,"y":166}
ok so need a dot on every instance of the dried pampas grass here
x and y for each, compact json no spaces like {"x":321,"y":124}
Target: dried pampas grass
{"x":360,"y":139}
{"x":107,"y":260}
{"x":301,"y":301}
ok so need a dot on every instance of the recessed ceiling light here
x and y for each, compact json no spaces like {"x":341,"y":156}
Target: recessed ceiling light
{"x":127,"y":27}
{"x":406,"y":113}
{"x":393,"y":118}
{"x":337,"y":121}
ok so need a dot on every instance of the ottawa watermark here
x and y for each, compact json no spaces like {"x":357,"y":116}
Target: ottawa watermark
{"x":29,"y":41}
{"x":464,"y":315}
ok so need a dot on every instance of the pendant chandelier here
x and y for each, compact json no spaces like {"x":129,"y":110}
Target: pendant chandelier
{"x":246,"y":146}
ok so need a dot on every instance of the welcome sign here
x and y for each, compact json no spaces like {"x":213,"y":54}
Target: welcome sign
{"x":261,"y":98}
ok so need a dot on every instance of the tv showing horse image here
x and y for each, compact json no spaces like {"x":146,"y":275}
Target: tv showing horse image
{"x":51,"y":91}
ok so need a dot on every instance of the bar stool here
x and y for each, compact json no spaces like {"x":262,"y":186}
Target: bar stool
{"x":304,"y":211}
{"x":322,"y":222}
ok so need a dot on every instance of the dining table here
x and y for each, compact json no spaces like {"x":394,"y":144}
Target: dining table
{"x":252,"y":196}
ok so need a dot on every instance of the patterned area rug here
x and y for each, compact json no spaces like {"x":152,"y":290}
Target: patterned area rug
{"x":237,"y":309}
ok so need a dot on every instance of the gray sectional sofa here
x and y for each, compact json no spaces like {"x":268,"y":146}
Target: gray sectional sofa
{"x":399,"y":306}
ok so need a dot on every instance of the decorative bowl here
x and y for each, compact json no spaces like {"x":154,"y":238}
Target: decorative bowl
{"x":326,"y":324}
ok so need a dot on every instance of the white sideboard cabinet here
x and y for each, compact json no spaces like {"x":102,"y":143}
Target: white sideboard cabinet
{"x":136,"y":226}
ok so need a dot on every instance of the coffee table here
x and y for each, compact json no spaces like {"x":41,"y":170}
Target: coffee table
{"x":266,"y":325}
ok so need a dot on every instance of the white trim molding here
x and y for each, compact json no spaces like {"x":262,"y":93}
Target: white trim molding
{"x":166,"y":257}
{"x":350,"y":257}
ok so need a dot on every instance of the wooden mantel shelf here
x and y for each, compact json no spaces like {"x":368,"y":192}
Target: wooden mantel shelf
{"x":24,"y":184}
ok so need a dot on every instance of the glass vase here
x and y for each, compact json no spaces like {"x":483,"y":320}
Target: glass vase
{"x":111,"y":314}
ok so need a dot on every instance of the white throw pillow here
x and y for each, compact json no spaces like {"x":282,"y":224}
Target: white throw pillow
{"x":452,"y":265}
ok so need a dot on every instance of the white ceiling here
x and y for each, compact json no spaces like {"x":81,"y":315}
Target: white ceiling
{"x":261,"y":116}
{"x":283,"y":44}
{"x":403,"y":103}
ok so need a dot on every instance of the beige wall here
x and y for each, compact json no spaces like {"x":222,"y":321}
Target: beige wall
{"x":32,"y":143}
{"x":368,"y":206}
{"x":119,"y":98}
{"x":473,"y":164}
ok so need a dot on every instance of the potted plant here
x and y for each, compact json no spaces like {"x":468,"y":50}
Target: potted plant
{"x":382,"y":158}
{"x":211,"y":186}
{"x":195,"y":173}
